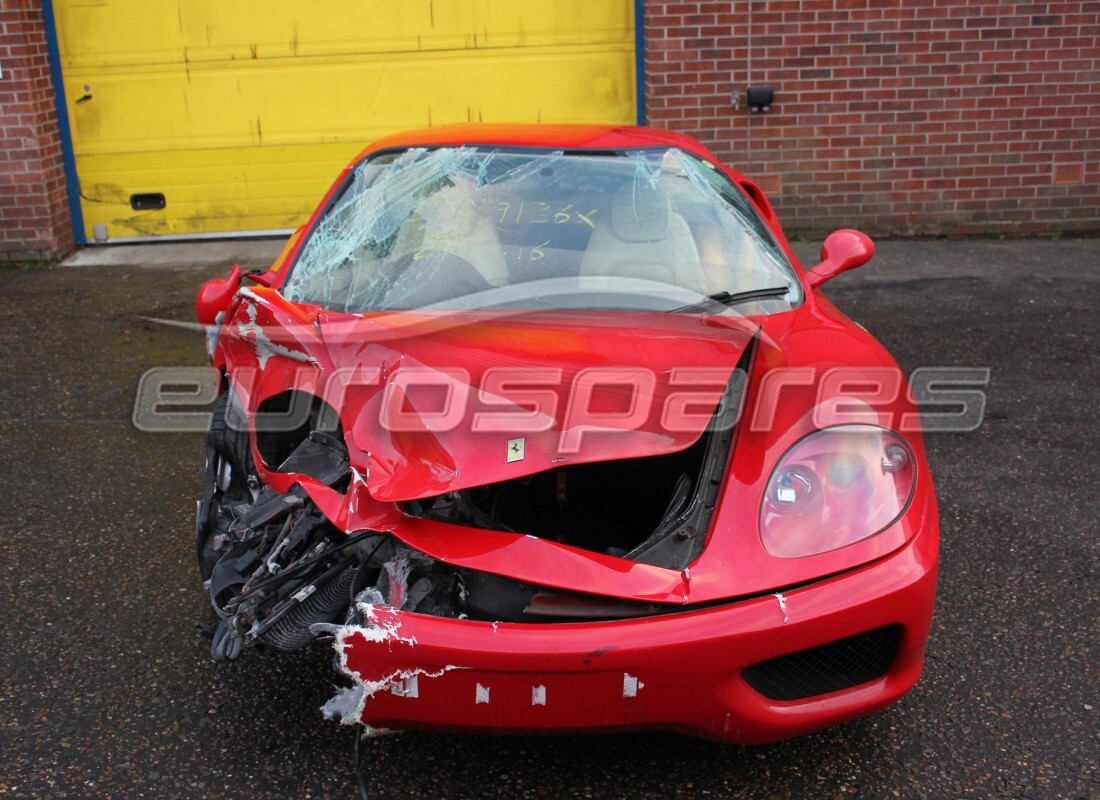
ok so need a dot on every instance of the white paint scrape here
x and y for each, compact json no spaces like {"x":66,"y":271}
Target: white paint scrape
{"x":265,"y":348}
{"x":347,"y":705}
{"x":631,"y":685}
{"x":377,"y":630}
{"x":538,"y":695}
{"x":410,"y":687}
{"x":782,"y":606}
{"x":481,"y":694}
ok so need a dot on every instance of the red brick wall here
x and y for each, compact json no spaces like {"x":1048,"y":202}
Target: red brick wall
{"x":922,"y":116}
{"x":34,"y":211}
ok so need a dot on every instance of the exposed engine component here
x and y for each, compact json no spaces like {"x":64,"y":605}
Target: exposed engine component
{"x":278,"y":571}
{"x":654,"y":510}
{"x":273,"y":564}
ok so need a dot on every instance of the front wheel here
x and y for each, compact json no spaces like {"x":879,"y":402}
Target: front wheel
{"x":229,"y":480}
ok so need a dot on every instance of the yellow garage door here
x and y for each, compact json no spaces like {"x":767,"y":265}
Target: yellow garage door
{"x":237,"y":115}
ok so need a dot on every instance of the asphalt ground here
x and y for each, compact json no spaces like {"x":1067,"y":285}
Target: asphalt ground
{"x":106,"y":690}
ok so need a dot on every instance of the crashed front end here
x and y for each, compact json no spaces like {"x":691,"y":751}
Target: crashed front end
{"x":569,"y":534}
{"x":621,"y":594}
{"x":474,"y":629}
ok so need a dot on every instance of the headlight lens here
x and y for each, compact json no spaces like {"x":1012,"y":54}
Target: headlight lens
{"x":836,"y":487}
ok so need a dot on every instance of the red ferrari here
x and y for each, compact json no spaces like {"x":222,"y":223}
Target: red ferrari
{"x":546,"y":429}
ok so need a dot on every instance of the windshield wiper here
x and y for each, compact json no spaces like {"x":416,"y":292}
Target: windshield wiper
{"x":727,"y":299}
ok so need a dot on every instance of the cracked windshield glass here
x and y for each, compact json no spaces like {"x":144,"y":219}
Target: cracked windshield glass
{"x":464,"y":228}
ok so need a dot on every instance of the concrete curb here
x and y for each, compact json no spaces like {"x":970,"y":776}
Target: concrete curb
{"x":249,"y":253}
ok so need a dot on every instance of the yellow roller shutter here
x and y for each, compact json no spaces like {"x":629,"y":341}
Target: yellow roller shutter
{"x":240,"y":113}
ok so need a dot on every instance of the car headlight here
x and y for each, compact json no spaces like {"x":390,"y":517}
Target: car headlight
{"x":835,"y":487}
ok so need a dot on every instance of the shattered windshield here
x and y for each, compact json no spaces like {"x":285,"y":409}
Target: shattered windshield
{"x":469,"y":227}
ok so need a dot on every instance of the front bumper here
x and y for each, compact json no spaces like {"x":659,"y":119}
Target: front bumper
{"x":680,"y":672}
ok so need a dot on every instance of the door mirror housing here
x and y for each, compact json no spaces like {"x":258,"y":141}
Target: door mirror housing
{"x":217,"y":296}
{"x":842,"y":250}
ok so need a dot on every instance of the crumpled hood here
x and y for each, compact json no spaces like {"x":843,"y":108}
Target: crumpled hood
{"x":438,"y":403}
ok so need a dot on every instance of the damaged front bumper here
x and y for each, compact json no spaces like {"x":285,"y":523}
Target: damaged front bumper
{"x":756,"y":670}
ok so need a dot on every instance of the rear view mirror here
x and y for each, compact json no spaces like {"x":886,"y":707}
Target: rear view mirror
{"x":842,"y":250}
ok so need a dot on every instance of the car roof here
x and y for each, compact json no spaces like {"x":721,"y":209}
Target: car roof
{"x":566,"y":137}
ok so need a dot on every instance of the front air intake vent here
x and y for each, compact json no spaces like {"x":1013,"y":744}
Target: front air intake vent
{"x":828,"y":667}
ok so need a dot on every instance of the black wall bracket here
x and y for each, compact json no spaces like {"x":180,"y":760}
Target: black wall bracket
{"x":759,"y":98}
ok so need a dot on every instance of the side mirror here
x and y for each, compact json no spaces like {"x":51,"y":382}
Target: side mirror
{"x":842,"y":250}
{"x":216,"y":296}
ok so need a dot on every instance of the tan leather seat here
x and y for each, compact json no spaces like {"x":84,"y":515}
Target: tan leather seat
{"x":644,"y":238}
{"x":451,"y":222}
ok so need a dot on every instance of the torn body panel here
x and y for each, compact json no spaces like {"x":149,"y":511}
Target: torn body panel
{"x":424,"y":463}
{"x":437,"y":401}
{"x":418,"y":396}
{"x":531,"y":552}
{"x":630,"y":674}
